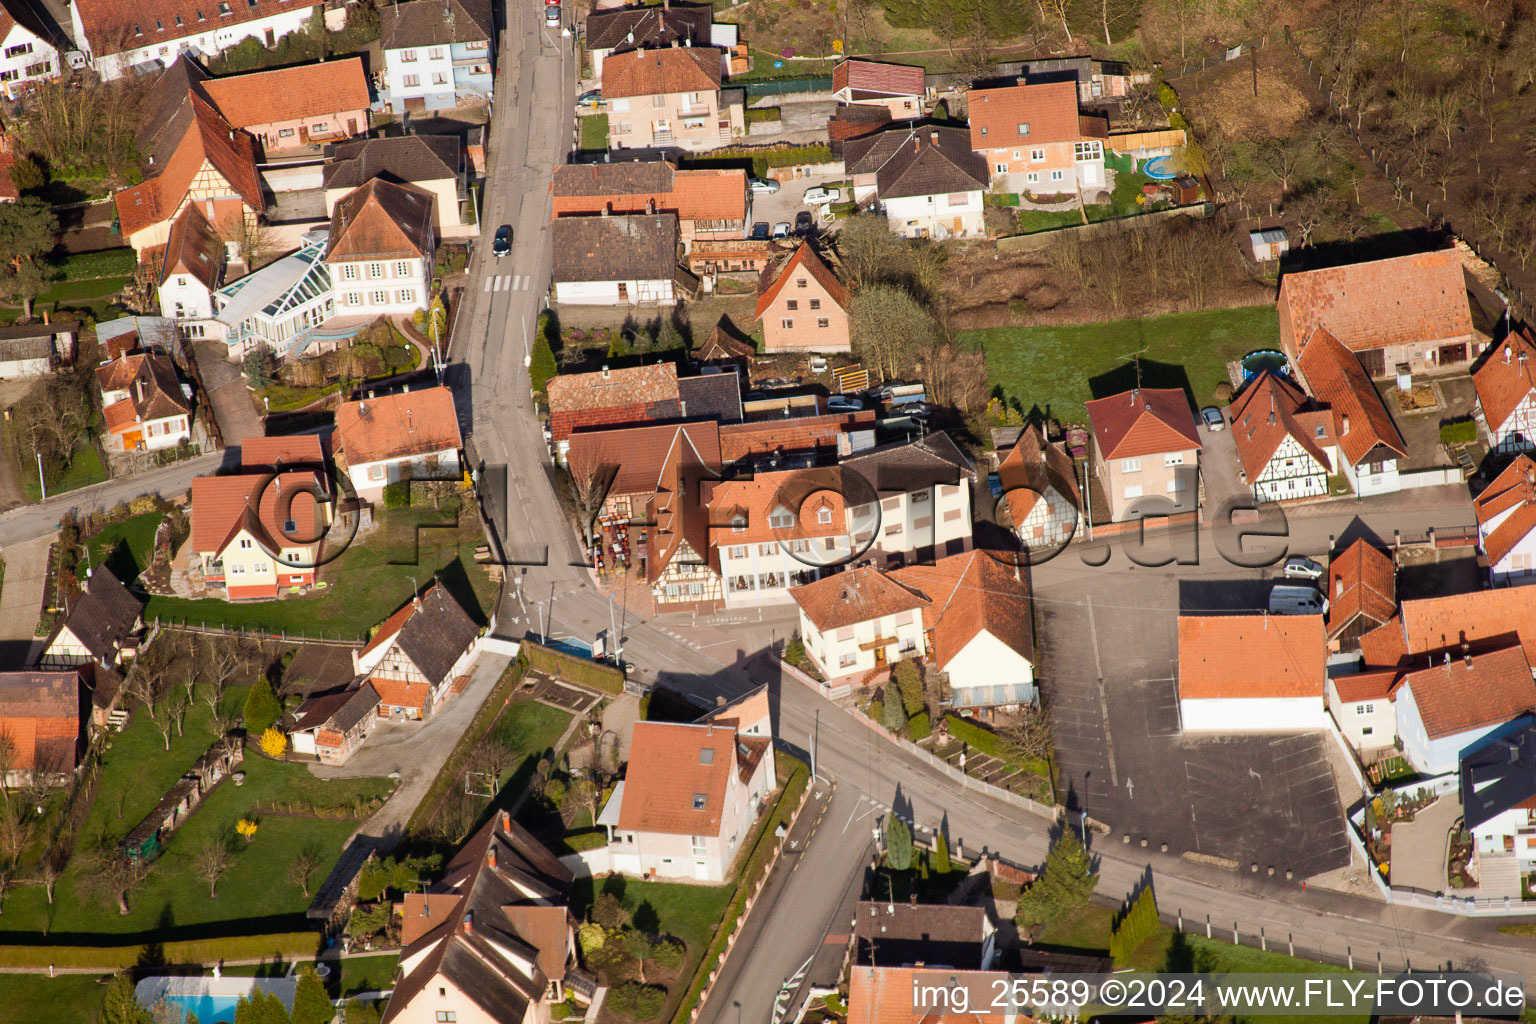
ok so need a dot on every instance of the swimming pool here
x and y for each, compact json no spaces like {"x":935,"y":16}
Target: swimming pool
{"x":212,"y":999}
{"x":1158,"y":170}
{"x":209,"y":1009}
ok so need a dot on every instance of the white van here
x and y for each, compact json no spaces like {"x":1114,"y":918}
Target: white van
{"x":1293,"y":600}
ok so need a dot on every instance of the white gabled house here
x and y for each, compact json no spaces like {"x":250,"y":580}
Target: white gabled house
{"x":1498,"y":794}
{"x":1459,"y":700}
{"x":1286,"y":448}
{"x":420,"y":655}
{"x":1506,"y":523}
{"x":1370,"y":448}
{"x":28,"y":52}
{"x":410,"y":436}
{"x":1506,"y":394}
{"x":1362,"y":708}
{"x":119,"y":38}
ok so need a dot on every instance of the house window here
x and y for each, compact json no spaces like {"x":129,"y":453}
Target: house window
{"x":792,"y":304}
{"x":349,"y":272}
{"x":764,"y":550}
{"x":354,"y":298}
{"x":738,"y":524}
{"x":799,"y":282}
{"x":1173,"y":459}
{"x":815,"y":303}
{"x":983,"y":131}
{"x":412,"y":81}
{"x":698,"y":846}
{"x":408,"y":55}
{"x":918,"y":497}
{"x":824,"y":516}
{"x":376,"y":271}
{"x":788,"y":325}
{"x":707,"y":755}
{"x":447,"y":1017}
{"x":436,"y":53}
{"x":1055,"y":175}
{"x":738,"y":552}
{"x":1133,"y":490}
{"x":845,"y":660}
{"x":380,"y":297}
{"x":245,"y":543}
{"x":781,"y":520}
{"x":1320,"y":431}
{"x":402,"y":269}
{"x":1000,"y":168}
{"x":201,"y":18}
{"x":1023,"y":127}
{"x":698,"y":801}
{"x":285,"y":133}
{"x":159,"y":25}
{"x":1032,"y":178}
{"x":1087,"y":151}
{"x":957,"y":199}
{"x":1130,"y":465}
{"x":438,"y":78}
{"x":224,"y":11}
{"x":1176,"y":484}
{"x":236,"y":569}
{"x":1037,"y":156}
{"x":1364,"y":709}
{"x":407,"y":295}
{"x":137,"y":31}
{"x":823,"y":322}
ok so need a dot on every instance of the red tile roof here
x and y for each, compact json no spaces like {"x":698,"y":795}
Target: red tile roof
{"x":290,"y":94}
{"x":116,"y":26}
{"x":858,"y":594}
{"x":1247,"y":656}
{"x":292,"y":449}
{"x":751,"y":500}
{"x":637,"y":394}
{"x":398,"y":426}
{"x":208,"y":137}
{"x":1263,"y":416}
{"x":1457,"y":695}
{"x":658,"y":72}
{"x":1386,"y":645}
{"x":40,"y":714}
{"x":883,"y":995}
{"x":1048,"y":108}
{"x":1512,"y":495}
{"x":973,"y":593}
{"x":1485,"y":619}
{"x":677,"y":510}
{"x":381,"y":220}
{"x":805,"y":257}
{"x":1361,"y":581}
{"x":669,"y":772}
{"x":154,"y":392}
{"x":1361,"y":422}
{"x":400,"y":693}
{"x":1505,"y":378}
{"x":1143,"y":422}
{"x":1368,"y":685}
{"x":194,"y":248}
{"x":798,"y":434}
{"x":1398,"y":301}
{"x":222,"y":505}
{"x":706,"y":194}
{"x":872,"y":77}
{"x":1032,"y":466}
{"x":637,"y":454}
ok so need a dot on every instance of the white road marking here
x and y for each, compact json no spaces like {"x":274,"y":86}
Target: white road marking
{"x":490,"y":282}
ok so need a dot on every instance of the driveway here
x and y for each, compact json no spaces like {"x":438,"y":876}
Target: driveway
{"x":1418,"y":846}
{"x":781,"y":206}
{"x":1219,"y":469}
{"x":232,"y":406}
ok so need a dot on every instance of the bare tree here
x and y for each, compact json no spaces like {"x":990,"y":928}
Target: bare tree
{"x":1309,"y":210}
{"x":253,"y":240}
{"x":15,"y":833}
{"x":7,"y":759}
{"x":51,"y":867}
{"x":1056,"y":10}
{"x":110,"y":875}
{"x":1029,"y":732}
{"x":302,"y":868}
{"x":211,"y":863}
{"x":1284,"y":159}
{"x":165,"y":723}
{"x":1445,"y":111}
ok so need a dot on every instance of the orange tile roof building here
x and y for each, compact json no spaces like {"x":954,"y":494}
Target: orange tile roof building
{"x":1506,"y":523}
{"x":1368,"y":444}
{"x":1036,"y":140}
{"x":1411,"y":309}
{"x":1362,"y":593}
{"x":803,"y":306}
{"x":121,"y":36}
{"x":669,"y":99}
{"x":899,"y":88}
{"x":1458,"y":700}
{"x":611,"y":398}
{"x":381,"y":248}
{"x":1146,"y":451}
{"x":143,"y":404}
{"x":413,"y":435}
{"x":291,"y":108}
{"x":1251,"y":673}
{"x":44,"y":716}
{"x":1040,"y":491}
{"x":1283,"y":443}
{"x":1506,"y":394}
{"x":709,"y":203}
{"x":421,"y":655}
{"x":689,"y":798}
{"x":883,"y":995}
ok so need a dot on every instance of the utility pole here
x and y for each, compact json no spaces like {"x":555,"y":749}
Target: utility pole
{"x":41,"y":480}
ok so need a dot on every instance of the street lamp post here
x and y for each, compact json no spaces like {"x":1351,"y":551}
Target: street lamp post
{"x":41,"y":480}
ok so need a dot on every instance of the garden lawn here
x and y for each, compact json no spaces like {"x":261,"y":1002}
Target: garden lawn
{"x":594,"y":132}
{"x":86,"y":469}
{"x":526,"y":730}
{"x":71,"y":997}
{"x":367,"y":582}
{"x":689,"y":912}
{"x":368,"y":973}
{"x":139,"y":770}
{"x":1053,"y":368}
{"x":126,"y":546}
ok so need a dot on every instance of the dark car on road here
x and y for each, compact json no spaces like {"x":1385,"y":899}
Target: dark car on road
{"x":760,"y":231}
{"x":804,"y":222}
{"x":503,"y":242}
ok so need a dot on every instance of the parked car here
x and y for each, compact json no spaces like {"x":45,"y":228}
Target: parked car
{"x":883,"y":392}
{"x":591,"y":99}
{"x":1287,"y":600}
{"x":1300,"y":567}
{"x":919,"y":410}
{"x":842,"y":403}
{"x":760,"y":231}
{"x":782,"y":229}
{"x":804,"y":222}
{"x":817,"y":195}
{"x":1212,"y":417}
{"x":775,"y":382}
{"x":552,"y":14}
{"x":503,"y":241}
{"x":764,"y":186}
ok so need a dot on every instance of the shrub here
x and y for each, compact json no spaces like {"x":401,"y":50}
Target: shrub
{"x":1459,"y":432}
{"x":559,"y":1011}
{"x":1223,"y":392}
{"x":1166,"y":96}
{"x":834,"y":1004}
{"x":668,"y":953}
{"x":310,"y":1003}
{"x":898,"y":843}
{"x":977,"y":737}
{"x":273,"y":743}
{"x":368,"y":920}
{"x":941,"y":853}
{"x":918,"y":726}
{"x":360,"y":1011}
{"x":587,"y":839}
{"x":260,"y":365}
{"x":893,"y":717}
{"x":636,"y":1001}
{"x":261,"y":708}
{"x":608,"y":912}
{"x":246,"y":828}
{"x":397,"y":494}
{"x":142,"y":504}
{"x":763,"y":115}
{"x":590,"y":937}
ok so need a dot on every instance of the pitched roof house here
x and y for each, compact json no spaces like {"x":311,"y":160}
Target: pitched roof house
{"x":889,"y":934}
{"x":631,"y":27}
{"x":899,"y":88}
{"x":381,"y":249}
{"x":331,"y":726}
{"x":803,"y":305}
{"x":120,"y":36}
{"x":668,"y":98}
{"x":625,"y":463}
{"x":926,"y":176}
{"x":437,"y":55}
{"x":1498,"y":794}
{"x":1251,"y":673}
{"x":29,"y":49}
{"x":883,"y":995}
{"x":294,"y":107}
{"x":616,"y":261}
{"x":710,"y":203}
{"x":1451,"y":704}
{"x":192,"y":268}
{"x":493,"y":939}
{"x":1145,"y":445}
{"x":43,"y":716}
{"x":1362,"y":593}
{"x":678,"y":563}
{"x":1506,"y":394}
{"x":257,"y":532}
{"x":1040,"y":492}
{"x":1033,"y":138}
{"x":611,"y":398}
{"x":142,"y":403}
{"x":413,"y":435}
{"x":434,"y":163}
{"x":1408,"y":309}
{"x":851,"y":121}
{"x":689,"y":797}
{"x":1483,"y":620}
{"x":102,"y":627}
{"x":418,"y":657}
{"x":1367,"y":438}
{"x":1280,"y":440}
{"x":1506,"y":522}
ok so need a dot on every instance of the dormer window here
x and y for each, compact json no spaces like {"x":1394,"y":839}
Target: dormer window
{"x":224,"y":11}
{"x":250,"y":3}
{"x":698,"y":801}
{"x":738,"y":524}
{"x":782,"y":519}
{"x":1023,"y":127}
{"x":159,"y":25}
{"x":200,"y":16}
{"x":178,"y":21}
{"x":824,"y":516}
{"x":137,"y":31}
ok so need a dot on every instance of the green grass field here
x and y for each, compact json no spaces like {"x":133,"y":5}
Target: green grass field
{"x":74,"y":997}
{"x":594,"y":131}
{"x":689,"y":912}
{"x":86,"y":469}
{"x":125,"y":546}
{"x":1057,"y":369}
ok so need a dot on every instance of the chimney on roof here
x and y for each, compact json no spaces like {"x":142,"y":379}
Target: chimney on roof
{"x":1506,"y":355}
{"x":1135,"y":392}
{"x":506,"y":821}
{"x":410,"y":424}
{"x":1344,"y":425}
{"x":605,"y":373}
{"x":491,"y":857}
{"x":469,"y":922}
{"x":45,"y":324}
{"x":933,"y":136}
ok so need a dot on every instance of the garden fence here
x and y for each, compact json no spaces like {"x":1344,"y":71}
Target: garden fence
{"x":1195,"y":67}
{"x":339,"y":638}
{"x":784,"y":86}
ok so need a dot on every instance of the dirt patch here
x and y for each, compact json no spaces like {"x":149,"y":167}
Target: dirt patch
{"x":1273,"y":114}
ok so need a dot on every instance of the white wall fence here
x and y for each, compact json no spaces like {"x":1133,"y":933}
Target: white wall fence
{"x":1413,"y":478}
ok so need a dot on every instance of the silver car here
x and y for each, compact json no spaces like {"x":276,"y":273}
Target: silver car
{"x":1300,"y":567}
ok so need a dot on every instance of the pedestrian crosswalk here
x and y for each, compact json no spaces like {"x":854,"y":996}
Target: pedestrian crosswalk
{"x":508,"y":283}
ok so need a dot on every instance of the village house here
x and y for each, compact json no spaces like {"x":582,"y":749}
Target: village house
{"x":1251,"y":673}
{"x":331,"y":726}
{"x":923,"y":488}
{"x":44,"y":716}
{"x":283,"y":306}
{"x":1506,"y":394}
{"x":1283,"y":444}
{"x":779,"y":529}
{"x":1506,"y":523}
{"x":689,"y":797}
{"x":1407,"y":310}
{"x":434,"y":163}
{"x":794,"y":435}
{"x":851,"y":121}
{"x":611,"y":398}
{"x":883,"y":995}
{"x":1427,"y":628}
{"x":189,"y":154}
{"x":34,"y":350}
{"x":295,"y":107}
{"x":380,"y":252}
{"x":1034,"y":139}
{"x":437,"y":55}
{"x":631,"y":27}
{"x":968,"y":614}
{"x":913,"y":934}
{"x":899,"y":88}
{"x":492,"y":940}
{"x":420,"y":656}
{"x":413,"y":435}
{"x":668,"y":99}
{"x":102,"y":628}
{"x":1459,"y":700}
{"x":143,"y":403}
{"x":624,"y":466}
{"x":678,"y":566}
{"x":1146,"y":452}
{"x":1039,"y":491}
{"x":29,"y":49}
{"x":255,"y":534}
{"x":1361,"y":705}
{"x":1361,"y":589}
{"x":191,"y":270}
{"x":625,"y":260}
{"x":924,"y":175}
{"x":1498,"y":796}
{"x":121,"y":39}
{"x":1369,"y":445}
{"x":733,"y":256}
{"x":1095,"y":79}
{"x":708,"y":203}
{"x":803,"y":306}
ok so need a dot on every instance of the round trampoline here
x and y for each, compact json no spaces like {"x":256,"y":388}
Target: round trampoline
{"x":1255,"y":363}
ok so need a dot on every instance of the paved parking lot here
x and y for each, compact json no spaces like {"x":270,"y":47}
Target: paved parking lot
{"x":1219,"y":468}
{"x":788,"y":200}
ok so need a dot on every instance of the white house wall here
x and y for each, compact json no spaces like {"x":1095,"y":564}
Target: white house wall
{"x":1366,"y":724}
{"x":211,"y":38}
{"x":1253,"y":714}
{"x":17,"y":70}
{"x":987,"y":661}
{"x":912,"y":216}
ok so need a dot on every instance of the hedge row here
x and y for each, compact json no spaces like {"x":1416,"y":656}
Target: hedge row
{"x":984,"y":740}
{"x":588,"y":839}
{"x":1459,"y":432}
{"x":191,"y":951}
{"x":102,"y":263}
{"x":593,"y":675}
{"x":789,"y":799}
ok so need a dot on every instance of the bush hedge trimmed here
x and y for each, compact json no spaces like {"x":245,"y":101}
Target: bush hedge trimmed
{"x":1459,"y":432}
{"x":593,"y":675}
{"x":191,"y":951}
